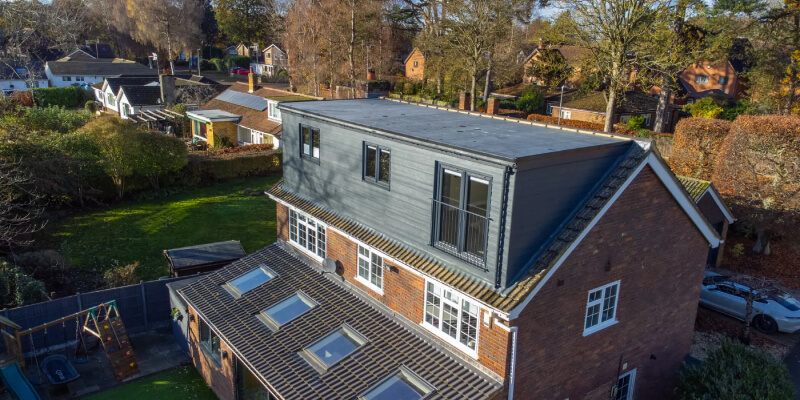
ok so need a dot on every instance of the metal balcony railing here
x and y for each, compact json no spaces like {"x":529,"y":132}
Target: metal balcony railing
{"x":460,"y":233}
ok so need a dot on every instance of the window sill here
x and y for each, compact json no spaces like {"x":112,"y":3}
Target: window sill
{"x":382,"y":185}
{"x":453,"y":342}
{"x":599,"y":327}
{"x":306,"y":157}
{"x":369,"y":285}
{"x":217,"y":361}
{"x":306,"y":251}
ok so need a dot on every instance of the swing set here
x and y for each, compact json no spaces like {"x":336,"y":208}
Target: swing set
{"x":102,"y":321}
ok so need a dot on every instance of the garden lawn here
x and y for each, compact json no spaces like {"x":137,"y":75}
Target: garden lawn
{"x":140,"y":230}
{"x":178,"y":383}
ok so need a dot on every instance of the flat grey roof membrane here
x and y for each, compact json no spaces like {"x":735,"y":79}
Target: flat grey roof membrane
{"x":474,"y":133}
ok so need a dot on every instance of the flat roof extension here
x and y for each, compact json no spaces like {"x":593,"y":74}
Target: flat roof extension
{"x":471,"y":132}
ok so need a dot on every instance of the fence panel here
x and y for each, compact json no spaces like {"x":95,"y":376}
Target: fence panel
{"x":142,"y":307}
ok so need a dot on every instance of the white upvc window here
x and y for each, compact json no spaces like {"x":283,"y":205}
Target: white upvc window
{"x":273,"y":112}
{"x":79,"y":79}
{"x":646,"y":118}
{"x":625,"y":385}
{"x":566,"y":114}
{"x":370,"y":269}
{"x":625,"y":119}
{"x":601,"y":308}
{"x":66,"y":78}
{"x":452,"y":317}
{"x":307,"y":233}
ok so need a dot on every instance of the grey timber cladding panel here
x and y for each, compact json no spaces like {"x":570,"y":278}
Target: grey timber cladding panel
{"x":404,"y":211}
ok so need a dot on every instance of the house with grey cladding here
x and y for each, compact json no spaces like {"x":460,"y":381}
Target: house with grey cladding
{"x":426,"y":252}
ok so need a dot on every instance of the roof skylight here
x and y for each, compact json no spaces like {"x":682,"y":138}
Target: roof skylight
{"x":251,"y":280}
{"x":333,"y":348}
{"x":401,"y":385}
{"x":287,"y":310}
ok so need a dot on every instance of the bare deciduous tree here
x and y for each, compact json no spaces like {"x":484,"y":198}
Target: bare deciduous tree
{"x":170,"y":25}
{"x":20,"y":208}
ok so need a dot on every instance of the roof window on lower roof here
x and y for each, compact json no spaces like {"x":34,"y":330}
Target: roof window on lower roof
{"x":250,"y":280}
{"x":332,"y":348}
{"x":402,"y":384}
{"x":287,"y":310}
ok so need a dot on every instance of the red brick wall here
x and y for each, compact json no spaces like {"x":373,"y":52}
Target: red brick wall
{"x":282,"y":216}
{"x":221,"y":380}
{"x":659,"y":256}
{"x":403,"y":292}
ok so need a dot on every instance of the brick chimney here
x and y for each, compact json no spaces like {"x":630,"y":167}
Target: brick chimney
{"x":464,"y":101}
{"x":371,"y":74}
{"x":251,"y":81}
{"x":493,"y":106}
{"x":167,"y":84}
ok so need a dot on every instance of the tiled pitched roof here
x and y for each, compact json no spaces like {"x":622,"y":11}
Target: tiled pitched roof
{"x":251,"y":118}
{"x":695,"y":187}
{"x":517,"y":294}
{"x":99,"y":68}
{"x":270,"y":93}
{"x":633,"y":102}
{"x":274,"y":355}
{"x":142,"y":95}
{"x":573,"y":54}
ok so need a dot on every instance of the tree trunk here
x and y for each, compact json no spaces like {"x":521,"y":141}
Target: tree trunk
{"x":748,"y":311}
{"x":351,"y":49}
{"x":488,"y":86}
{"x":472,"y":91}
{"x":662,"y":109}
{"x":762,"y":242}
{"x":610,"y":107}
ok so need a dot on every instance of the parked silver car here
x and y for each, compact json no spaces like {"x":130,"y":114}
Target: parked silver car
{"x":771,"y":313}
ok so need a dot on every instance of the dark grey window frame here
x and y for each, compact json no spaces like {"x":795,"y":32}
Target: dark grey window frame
{"x":436,"y":226}
{"x":723,"y":80}
{"x":303,"y":155}
{"x":377,"y":179}
{"x":206,"y":344}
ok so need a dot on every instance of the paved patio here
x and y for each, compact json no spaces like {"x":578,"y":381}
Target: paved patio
{"x":155,"y":350}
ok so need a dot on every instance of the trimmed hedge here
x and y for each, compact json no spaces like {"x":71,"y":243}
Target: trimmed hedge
{"x":211,"y":169}
{"x":565,"y":122}
{"x":68,"y":97}
{"x":696,"y":146}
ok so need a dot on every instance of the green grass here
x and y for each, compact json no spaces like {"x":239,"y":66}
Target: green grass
{"x":178,"y":383}
{"x":141,"y":230}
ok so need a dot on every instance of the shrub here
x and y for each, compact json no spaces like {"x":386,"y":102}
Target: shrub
{"x":696,"y":146}
{"x":121,"y":276}
{"x":90,"y":107}
{"x":283,"y":72}
{"x":508,"y":105}
{"x":398,"y":87}
{"x":69,"y":97}
{"x":207,"y":65}
{"x":116,"y":139}
{"x":47,"y":266}
{"x":636,"y":123}
{"x":736,"y":372}
{"x":219,"y":64}
{"x":409,"y":88}
{"x":237,"y":61}
{"x":757,"y":168}
{"x":704,"y":108}
{"x":17,"y":288}
{"x":57,"y":119}
{"x":158,"y":156}
{"x":23,"y":98}
{"x":242,"y":149}
{"x":530,"y":101}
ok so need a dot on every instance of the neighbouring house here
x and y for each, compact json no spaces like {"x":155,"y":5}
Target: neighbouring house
{"x":592,"y":108}
{"x":231,"y":51}
{"x":273,"y":62}
{"x":107,"y":92}
{"x":134,"y":100}
{"x":257,"y":107}
{"x":417,"y":261}
{"x":14,"y":77}
{"x":415,"y":65}
{"x":203,"y":258}
{"x":243,"y":50}
{"x":574,"y":56}
{"x":713,"y":78}
{"x":710,"y":203}
{"x":90,"y":51}
{"x":85,"y":73}
{"x":129,"y":95}
{"x":215,"y":127}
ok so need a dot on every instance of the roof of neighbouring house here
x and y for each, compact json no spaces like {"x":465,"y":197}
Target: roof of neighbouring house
{"x":142,"y":95}
{"x":202,"y":254}
{"x":574,"y":55}
{"x":499,"y":138}
{"x":269,"y":93}
{"x":414,"y":50}
{"x":633,"y":102}
{"x":695,"y":187}
{"x":114,"y":83}
{"x":213,"y":115}
{"x":99,"y":50}
{"x":99,"y":68}
{"x":250,"y":118}
{"x":274,"y":354}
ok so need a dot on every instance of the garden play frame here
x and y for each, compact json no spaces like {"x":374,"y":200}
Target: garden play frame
{"x":102,"y":321}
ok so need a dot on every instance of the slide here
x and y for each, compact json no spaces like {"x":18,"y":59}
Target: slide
{"x":17,"y":384}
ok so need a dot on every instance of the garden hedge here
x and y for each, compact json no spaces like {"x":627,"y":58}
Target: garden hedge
{"x":566,"y":122}
{"x":69,"y":97}
{"x":211,"y":169}
{"x":696,"y":146}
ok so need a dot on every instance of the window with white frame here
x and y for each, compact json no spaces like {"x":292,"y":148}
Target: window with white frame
{"x":274,"y":113}
{"x":452,"y":317}
{"x":646,"y":118}
{"x":79,"y":79}
{"x":625,"y":385}
{"x":308,"y":233}
{"x":370,"y":268}
{"x":625,"y":119}
{"x":601,"y":308}
{"x":701,"y":79}
{"x":66,"y":78}
{"x":566,"y":114}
